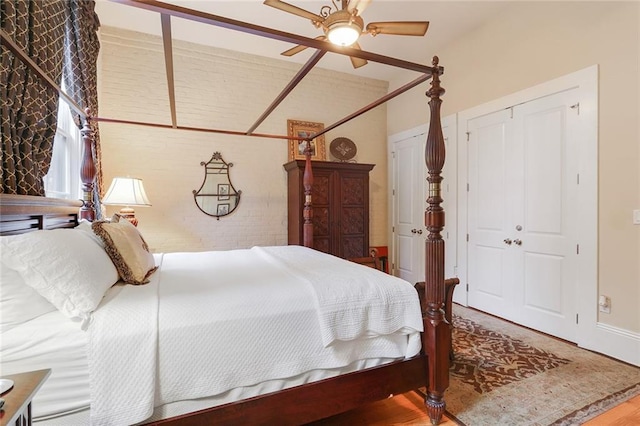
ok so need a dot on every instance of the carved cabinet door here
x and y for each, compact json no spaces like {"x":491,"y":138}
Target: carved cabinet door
{"x":340,"y":200}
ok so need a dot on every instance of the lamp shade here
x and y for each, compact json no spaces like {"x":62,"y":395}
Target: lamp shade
{"x":126,"y":191}
{"x":343,"y":34}
{"x":343,"y":28}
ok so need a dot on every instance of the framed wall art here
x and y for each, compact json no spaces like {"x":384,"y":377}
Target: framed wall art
{"x":305,"y":129}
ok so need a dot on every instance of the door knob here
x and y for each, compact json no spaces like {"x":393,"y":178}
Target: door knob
{"x":419,"y":231}
{"x":517,"y":242}
{"x":507,"y":241}
{"x":413,"y":231}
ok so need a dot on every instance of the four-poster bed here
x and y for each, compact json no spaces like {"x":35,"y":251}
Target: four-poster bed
{"x":318,"y":399}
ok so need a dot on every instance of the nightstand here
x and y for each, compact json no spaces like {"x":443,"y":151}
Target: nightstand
{"x":17,"y":405}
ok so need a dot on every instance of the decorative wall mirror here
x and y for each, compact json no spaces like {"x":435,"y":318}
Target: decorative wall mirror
{"x":216,"y":197}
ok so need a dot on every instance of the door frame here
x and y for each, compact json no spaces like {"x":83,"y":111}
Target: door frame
{"x":586,"y":81}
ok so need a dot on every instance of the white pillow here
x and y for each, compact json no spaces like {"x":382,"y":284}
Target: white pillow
{"x":67,"y":267}
{"x":19,"y":303}
{"x":85,"y":226}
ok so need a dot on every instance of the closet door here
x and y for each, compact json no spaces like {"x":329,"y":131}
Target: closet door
{"x":408,"y":208}
{"x":522,"y":192}
{"x":544,"y":200}
{"x":491,"y":174}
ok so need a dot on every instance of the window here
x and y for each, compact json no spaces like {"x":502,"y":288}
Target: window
{"x":63,"y":179}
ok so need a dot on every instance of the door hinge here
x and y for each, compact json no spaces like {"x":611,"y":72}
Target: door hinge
{"x":467,"y":237}
{"x":467,"y":187}
{"x":578,"y":179}
{"x":393,"y":192}
{"x":577,"y":318}
{"x":467,"y":287}
{"x":576,"y":106}
{"x":393,"y":229}
{"x":511,"y":112}
{"x":577,"y":248}
{"x":468,"y":133}
{"x":447,"y":235}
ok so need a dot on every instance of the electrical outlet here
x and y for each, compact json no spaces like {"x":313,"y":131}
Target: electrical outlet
{"x":636,"y":217}
{"x":604,"y":304}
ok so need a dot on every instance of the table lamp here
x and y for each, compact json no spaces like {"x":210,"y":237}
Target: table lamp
{"x":128,"y":192}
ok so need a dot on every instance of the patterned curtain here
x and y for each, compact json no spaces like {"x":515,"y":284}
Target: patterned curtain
{"x":29,"y":107}
{"x":80,"y":71}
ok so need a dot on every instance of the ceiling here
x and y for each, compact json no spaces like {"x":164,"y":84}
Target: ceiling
{"x":449,"y":20}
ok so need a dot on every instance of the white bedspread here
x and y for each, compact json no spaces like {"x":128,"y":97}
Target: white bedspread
{"x":237,"y":318}
{"x":352,"y":300}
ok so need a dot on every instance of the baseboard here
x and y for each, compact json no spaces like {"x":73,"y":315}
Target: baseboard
{"x":615,"y":342}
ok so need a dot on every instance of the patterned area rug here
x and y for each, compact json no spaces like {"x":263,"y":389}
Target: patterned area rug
{"x":504,"y":374}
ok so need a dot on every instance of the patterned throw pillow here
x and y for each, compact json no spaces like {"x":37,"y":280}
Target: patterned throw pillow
{"x":127,"y":249}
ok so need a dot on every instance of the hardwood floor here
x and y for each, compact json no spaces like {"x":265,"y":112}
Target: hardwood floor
{"x":625,"y":414}
{"x":408,"y":409}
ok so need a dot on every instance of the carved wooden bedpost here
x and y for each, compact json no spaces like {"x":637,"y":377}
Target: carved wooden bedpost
{"x":307,"y":212}
{"x":87,"y":170}
{"x":437,"y":334}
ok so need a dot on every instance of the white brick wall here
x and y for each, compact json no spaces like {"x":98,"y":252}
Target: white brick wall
{"x":227,"y":90}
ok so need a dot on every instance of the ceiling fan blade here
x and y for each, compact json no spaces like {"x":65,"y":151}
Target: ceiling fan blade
{"x":361,"y":5}
{"x":410,"y":28}
{"x":299,"y":48}
{"x":357,"y":62}
{"x":286,"y":7}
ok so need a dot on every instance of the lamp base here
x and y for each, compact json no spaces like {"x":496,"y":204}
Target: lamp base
{"x":129,"y":214}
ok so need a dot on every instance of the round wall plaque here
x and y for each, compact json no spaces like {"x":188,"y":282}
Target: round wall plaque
{"x":343,"y":149}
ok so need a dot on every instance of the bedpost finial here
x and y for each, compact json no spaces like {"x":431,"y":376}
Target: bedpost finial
{"x":87,"y":111}
{"x":435,"y":61}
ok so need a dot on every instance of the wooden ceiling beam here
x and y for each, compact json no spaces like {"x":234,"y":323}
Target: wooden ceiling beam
{"x":194,"y":129}
{"x":292,"y":84}
{"x":374,"y":104}
{"x":232,"y":24}
{"x":168,"y":63}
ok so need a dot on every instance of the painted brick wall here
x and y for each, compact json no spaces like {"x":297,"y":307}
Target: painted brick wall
{"x":222,"y":89}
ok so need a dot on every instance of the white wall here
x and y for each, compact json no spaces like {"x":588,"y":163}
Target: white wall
{"x":534,"y":42}
{"x":222,"y":89}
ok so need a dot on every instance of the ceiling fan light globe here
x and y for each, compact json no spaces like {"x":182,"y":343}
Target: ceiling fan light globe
{"x":343,"y":34}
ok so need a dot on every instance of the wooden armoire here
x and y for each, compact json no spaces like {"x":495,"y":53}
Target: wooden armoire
{"x":340,"y":200}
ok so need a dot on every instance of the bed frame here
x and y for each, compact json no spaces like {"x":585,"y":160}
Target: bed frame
{"x":313,"y":401}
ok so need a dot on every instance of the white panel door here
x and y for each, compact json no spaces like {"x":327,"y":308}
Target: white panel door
{"x":522,"y":172}
{"x":544,"y":208}
{"x":408,"y":209}
{"x":490,"y":262}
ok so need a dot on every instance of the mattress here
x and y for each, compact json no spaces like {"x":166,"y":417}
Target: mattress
{"x":265,"y":317}
{"x":50,"y":341}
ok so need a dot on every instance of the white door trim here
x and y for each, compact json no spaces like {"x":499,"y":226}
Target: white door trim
{"x":586,"y":81}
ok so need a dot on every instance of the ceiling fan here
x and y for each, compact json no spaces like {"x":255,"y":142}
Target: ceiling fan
{"x":343,"y":25}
